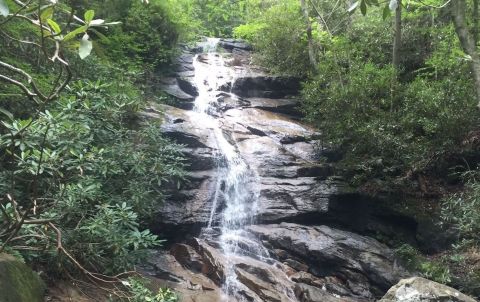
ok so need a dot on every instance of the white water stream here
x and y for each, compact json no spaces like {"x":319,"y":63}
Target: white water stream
{"x":236,"y":195}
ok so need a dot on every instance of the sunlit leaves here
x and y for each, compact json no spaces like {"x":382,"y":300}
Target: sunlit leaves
{"x":75,"y":32}
{"x":89,"y":14}
{"x":54,"y":26}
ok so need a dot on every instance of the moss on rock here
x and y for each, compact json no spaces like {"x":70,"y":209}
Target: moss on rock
{"x":18,"y":283}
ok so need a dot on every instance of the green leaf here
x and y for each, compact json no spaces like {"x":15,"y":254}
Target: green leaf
{"x":363,"y":7}
{"x":4,"y":11}
{"x":75,"y":32}
{"x":46,"y":14}
{"x":89,"y":14}
{"x":85,"y":47}
{"x":54,"y":26}
{"x":386,"y":12}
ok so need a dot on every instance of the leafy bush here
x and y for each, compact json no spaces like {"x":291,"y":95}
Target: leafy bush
{"x":279,"y":39}
{"x":436,"y":270}
{"x":97,"y":173}
{"x":141,"y":293}
{"x":389,"y":127}
{"x":461,"y":211}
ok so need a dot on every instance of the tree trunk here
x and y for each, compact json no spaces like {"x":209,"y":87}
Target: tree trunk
{"x":467,"y":42}
{"x":397,"y":40}
{"x":311,"y":49}
{"x":475,"y":21}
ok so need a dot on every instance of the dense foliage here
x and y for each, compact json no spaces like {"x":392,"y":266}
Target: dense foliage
{"x":80,"y":171}
{"x":389,"y":122}
{"x":401,"y":109}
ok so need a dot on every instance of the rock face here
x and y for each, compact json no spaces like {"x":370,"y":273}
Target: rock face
{"x":422,"y":290}
{"x":18,"y":283}
{"x":307,"y":264}
{"x":265,"y":86}
{"x":368,"y":265}
{"x":304,"y":260}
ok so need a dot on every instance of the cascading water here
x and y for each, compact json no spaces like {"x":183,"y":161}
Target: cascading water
{"x":235,"y":188}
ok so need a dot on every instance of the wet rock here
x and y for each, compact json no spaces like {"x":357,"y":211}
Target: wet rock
{"x":214,"y":262}
{"x":284,"y":106}
{"x":418,"y":289}
{"x":186,"y":256}
{"x":296,"y":265}
{"x":260,"y":287}
{"x":187,"y":85}
{"x":262,"y":86}
{"x":231,"y":44}
{"x":226,"y":102}
{"x":184,"y":62}
{"x":278,"y":127}
{"x":181,"y":99}
{"x":369,"y":267}
{"x":18,"y":283}
{"x":307,"y":293}
{"x":182,"y":126}
{"x":281,"y":199}
{"x":165,"y":271}
{"x":184,"y":211}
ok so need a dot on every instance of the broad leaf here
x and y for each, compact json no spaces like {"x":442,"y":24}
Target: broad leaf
{"x":4,"y":11}
{"x":46,"y":14}
{"x":363,"y":7}
{"x":89,"y":14}
{"x":54,"y":26}
{"x":75,"y":32}
{"x":85,"y":47}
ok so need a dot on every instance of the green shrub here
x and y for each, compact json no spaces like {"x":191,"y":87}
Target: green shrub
{"x":99,"y":174}
{"x":436,"y":270}
{"x":141,"y":293}
{"x":279,"y":39}
{"x":461,"y":211}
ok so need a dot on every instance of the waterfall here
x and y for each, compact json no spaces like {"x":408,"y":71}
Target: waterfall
{"x":235,"y":188}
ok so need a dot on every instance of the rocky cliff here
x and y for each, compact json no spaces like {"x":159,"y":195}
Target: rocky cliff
{"x":299,"y":239}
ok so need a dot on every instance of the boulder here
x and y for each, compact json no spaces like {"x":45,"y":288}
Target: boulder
{"x":368,"y":267}
{"x":18,"y":283}
{"x":418,"y":289}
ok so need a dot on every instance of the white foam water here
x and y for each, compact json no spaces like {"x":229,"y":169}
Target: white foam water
{"x":236,"y":191}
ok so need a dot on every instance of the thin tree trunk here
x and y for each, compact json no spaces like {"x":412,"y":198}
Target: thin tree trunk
{"x":397,"y":40}
{"x":467,"y":41}
{"x":308,"y":24}
{"x":475,"y":21}
{"x":397,"y":46}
